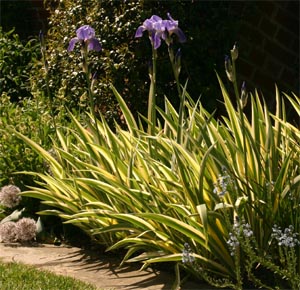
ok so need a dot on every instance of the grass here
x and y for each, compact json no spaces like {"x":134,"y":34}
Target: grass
{"x":19,"y":276}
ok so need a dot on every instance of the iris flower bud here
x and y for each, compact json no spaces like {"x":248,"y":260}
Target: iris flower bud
{"x":234,"y":52}
{"x":228,"y":68}
{"x":244,"y":95}
{"x":178,"y":60}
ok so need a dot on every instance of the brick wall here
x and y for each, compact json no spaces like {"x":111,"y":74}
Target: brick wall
{"x":269,"y":46}
{"x":27,"y":16}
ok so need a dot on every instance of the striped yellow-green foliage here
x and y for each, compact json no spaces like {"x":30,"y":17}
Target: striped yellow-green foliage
{"x":151,"y":194}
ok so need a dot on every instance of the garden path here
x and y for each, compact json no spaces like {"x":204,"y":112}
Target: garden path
{"x":92,"y":267}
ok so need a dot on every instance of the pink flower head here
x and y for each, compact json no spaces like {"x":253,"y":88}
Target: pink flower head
{"x":10,"y":196}
{"x":8,"y":232}
{"x":26,"y":229}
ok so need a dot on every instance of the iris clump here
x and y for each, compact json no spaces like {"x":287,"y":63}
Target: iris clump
{"x":160,"y":29}
{"x":163,"y":186}
{"x":86,"y":36}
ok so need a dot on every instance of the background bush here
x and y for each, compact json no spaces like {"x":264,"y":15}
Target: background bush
{"x":124,"y":60}
{"x":16,"y":62}
{"x":33,"y":119}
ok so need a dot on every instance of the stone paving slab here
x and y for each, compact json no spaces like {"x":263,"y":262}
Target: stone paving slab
{"x":97,"y":269}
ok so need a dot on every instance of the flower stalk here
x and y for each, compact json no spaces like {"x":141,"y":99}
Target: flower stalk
{"x":234,"y":56}
{"x":152,"y":94}
{"x":176,"y":67}
{"x":159,"y":29}
{"x":86,"y":37}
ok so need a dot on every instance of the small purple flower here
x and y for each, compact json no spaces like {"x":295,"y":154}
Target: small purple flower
{"x":85,"y":35}
{"x":160,"y":29}
{"x":187,"y":254}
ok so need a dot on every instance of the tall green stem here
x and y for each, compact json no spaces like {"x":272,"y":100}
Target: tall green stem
{"x":86,"y":71}
{"x":241,"y":113}
{"x":235,"y":86}
{"x":176,"y":71}
{"x":85,"y":67}
{"x":152,"y":95}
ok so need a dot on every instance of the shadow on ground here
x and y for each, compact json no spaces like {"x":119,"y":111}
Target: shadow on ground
{"x":94,"y":267}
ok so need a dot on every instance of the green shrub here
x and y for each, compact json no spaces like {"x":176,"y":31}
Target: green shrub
{"x":115,"y":21}
{"x":16,"y":62}
{"x":28,"y":117}
{"x":34,"y":119}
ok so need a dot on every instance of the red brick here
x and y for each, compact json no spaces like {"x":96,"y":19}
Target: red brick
{"x":285,"y":38}
{"x":293,"y":7}
{"x":290,"y":78}
{"x":264,"y":81}
{"x":267,"y":7}
{"x":296,"y":45}
{"x":282,"y":4}
{"x":265,"y":84}
{"x":288,"y":20}
{"x":280,"y":53}
{"x":245,"y":46}
{"x":236,"y":8}
{"x":245,"y":68}
{"x":257,"y":57}
{"x":273,"y":67}
{"x":251,"y":33}
{"x":268,"y":27}
{"x":251,"y":13}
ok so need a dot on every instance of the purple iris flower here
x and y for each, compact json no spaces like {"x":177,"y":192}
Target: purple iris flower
{"x":155,"y":27}
{"x":85,"y":35}
{"x":171,"y":26}
{"x":160,"y":29}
